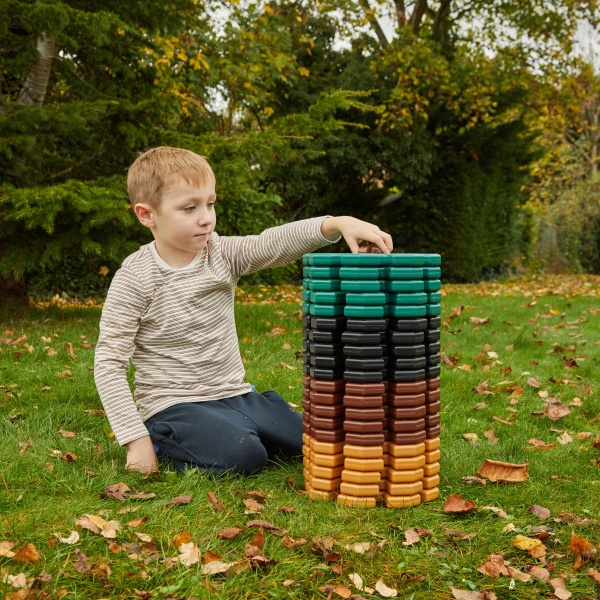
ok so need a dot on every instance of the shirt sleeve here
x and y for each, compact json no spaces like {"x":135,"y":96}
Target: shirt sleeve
{"x":124,"y":306}
{"x":273,"y":247}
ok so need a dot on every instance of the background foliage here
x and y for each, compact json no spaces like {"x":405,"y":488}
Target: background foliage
{"x":466,"y":128}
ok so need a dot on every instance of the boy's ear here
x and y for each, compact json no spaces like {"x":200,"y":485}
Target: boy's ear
{"x":144,"y":214}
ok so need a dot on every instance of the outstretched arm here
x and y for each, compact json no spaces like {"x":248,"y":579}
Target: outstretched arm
{"x":141,"y":456}
{"x":356,"y":231}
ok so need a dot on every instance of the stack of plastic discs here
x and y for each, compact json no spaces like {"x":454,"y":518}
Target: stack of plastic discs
{"x":371,"y":377}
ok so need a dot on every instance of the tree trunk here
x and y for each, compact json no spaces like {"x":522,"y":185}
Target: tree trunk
{"x":417,"y":15}
{"x":34,"y":89}
{"x":375,"y":23}
{"x":400,"y":13}
{"x":13,"y":289}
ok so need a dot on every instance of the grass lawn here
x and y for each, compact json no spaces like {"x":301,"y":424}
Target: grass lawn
{"x":535,"y":343}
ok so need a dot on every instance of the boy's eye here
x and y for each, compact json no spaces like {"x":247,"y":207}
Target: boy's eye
{"x":211,"y":205}
{"x":189,"y":208}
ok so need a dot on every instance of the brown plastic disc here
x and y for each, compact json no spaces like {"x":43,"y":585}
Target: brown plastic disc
{"x":432,"y":395}
{"x":306,"y":416}
{"x":405,"y":438}
{"x":327,"y":410}
{"x":409,"y":387}
{"x":363,"y":401}
{"x":306,"y":379}
{"x":365,"y":414}
{"x":306,"y":427}
{"x":305,"y":392}
{"x":363,"y":426}
{"x":411,"y":412}
{"x":322,"y":385}
{"x":326,"y":398}
{"x":433,"y":383}
{"x":326,"y":422}
{"x":365,"y":439}
{"x":433,"y":432}
{"x":404,"y":400}
{"x":305,"y":405}
{"x":433,"y":407}
{"x":327,"y":435}
{"x":432,"y":420}
{"x":404,"y":425}
{"x":365,"y":389}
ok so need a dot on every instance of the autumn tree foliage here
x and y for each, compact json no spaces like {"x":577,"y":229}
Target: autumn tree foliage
{"x":422,"y":116}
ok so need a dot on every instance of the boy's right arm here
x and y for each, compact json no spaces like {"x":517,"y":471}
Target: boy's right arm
{"x":123,"y":308}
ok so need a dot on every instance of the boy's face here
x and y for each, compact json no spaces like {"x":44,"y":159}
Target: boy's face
{"x":184,"y":222}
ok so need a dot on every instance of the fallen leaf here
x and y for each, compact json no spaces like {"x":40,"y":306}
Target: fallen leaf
{"x":258,"y":539}
{"x":384,"y":590}
{"x":357,"y":581}
{"x":503,"y":472}
{"x":565,"y":438}
{"x":579,"y":544}
{"x":491,"y":436}
{"x":518,"y":575}
{"x":539,"y":511}
{"x":291,"y":543}
{"x":494,"y":567}
{"x":72,"y":539}
{"x":457,"y":535}
{"x":466,"y":595}
{"x":324,"y":547}
{"x":136,"y":522}
{"x":266,"y":525}
{"x":498,"y":511}
{"x":26,"y":554}
{"x":189,"y":554}
{"x":479,"y":321}
{"x":457,"y":505}
{"x":533,"y":382}
{"x":253,"y":505}
{"x":181,"y":538}
{"x":230,"y":532}
{"x":213,"y":500}
{"x":540,"y":573}
{"x":412,"y":537}
{"x":338,"y":590}
{"x":179,"y":500}
{"x":556,"y":411}
{"x":215,"y":567}
{"x":66,"y":434}
{"x":469,"y":479}
{"x":361,"y":547}
{"x":594,"y":574}
{"x":472,"y":438}
{"x":560,"y":589}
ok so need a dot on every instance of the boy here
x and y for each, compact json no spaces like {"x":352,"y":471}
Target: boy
{"x":170,"y":310}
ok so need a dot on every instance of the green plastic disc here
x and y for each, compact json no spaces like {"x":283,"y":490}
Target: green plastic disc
{"x":328,"y":297}
{"x":434,"y":297}
{"x":404,"y":285}
{"x":432,"y":285}
{"x":432,"y":260}
{"x":321,"y":272}
{"x":405,"y":260}
{"x":306,"y":295}
{"x":360,"y":273}
{"x":409,"y":299}
{"x":365,"y":312}
{"x":327,"y":310}
{"x":433,"y":309}
{"x":432,"y":272}
{"x":362,"y":260}
{"x":306,"y":307}
{"x":403,"y":273}
{"x":369,"y":285}
{"x":325,"y":260}
{"x":306,"y":259}
{"x":322,"y":285}
{"x":402,"y":310}
{"x":367,"y":299}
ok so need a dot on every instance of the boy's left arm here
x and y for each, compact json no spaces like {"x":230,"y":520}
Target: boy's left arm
{"x":356,"y":231}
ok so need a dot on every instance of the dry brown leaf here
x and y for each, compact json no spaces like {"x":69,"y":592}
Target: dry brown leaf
{"x":230,"y":532}
{"x":324,"y":547}
{"x":181,"y":538}
{"x":503,"y":472}
{"x":339,"y":590}
{"x":266,"y":525}
{"x":26,"y":554}
{"x":579,"y":544}
{"x":472,"y":438}
{"x":479,"y":321}
{"x":539,"y":511}
{"x":560,"y":589}
{"x":494,"y":567}
{"x":412,"y":537}
{"x":253,"y":505}
{"x":66,"y":434}
{"x":457,"y":505}
{"x":470,"y":479}
{"x":467,"y":595}
{"x":361,"y":547}
{"x":518,"y":575}
{"x":189,"y":554}
{"x":136,"y":522}
{"x":556,"y":411}
{"x":540,"y":573}
{"x":179,"y":500}
{"x":457,"y":535}
{"x":258,"y":539}
{"x":594,"y":574}
{"x":495,"y":509}
{"x":291,"y":543}
{"x":215,"y":567}
{"x":6,"y":549}
{"x":533,"y":382}
{"x":491,"y":436}
{"x":72,"y":539}
{"x":384,"y":590}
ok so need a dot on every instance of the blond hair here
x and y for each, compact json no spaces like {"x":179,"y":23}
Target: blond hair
{"x":153,"y":170}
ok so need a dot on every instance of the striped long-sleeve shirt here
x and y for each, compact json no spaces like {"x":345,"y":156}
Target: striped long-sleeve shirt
{"x":177,"y":325}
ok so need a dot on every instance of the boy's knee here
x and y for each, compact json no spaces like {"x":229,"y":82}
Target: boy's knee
{"x":245,"y":456}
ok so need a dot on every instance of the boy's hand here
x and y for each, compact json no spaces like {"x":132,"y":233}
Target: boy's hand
{"x":356,"y":231}
{"x":141,"y":456}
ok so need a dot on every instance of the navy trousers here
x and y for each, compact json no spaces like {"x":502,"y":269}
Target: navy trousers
{"x":236,"y":434}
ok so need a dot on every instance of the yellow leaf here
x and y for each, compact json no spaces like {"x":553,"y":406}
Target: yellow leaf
{"x":268,"y":111}
{"x":303,"y":72}
{"x":120,"y":31}
{"x":525,"y":543}
{"x":268,"y":9}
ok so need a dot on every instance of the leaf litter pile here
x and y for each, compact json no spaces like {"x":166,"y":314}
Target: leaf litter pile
{"x":518,"y":515}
